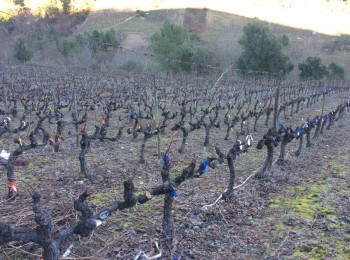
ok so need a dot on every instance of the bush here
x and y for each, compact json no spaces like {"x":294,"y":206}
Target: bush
{"x":129,"y":66}
{"x":284,"y":40}
{"x":66,"y":47}
{"x":312,"y":68}
{"x":22,"y":51}
{"x":336,"y":71}
{"x":262,"y":52}
{"x":170,"y":47}
{"x":99,"y":40}
{"x":204,"y":60}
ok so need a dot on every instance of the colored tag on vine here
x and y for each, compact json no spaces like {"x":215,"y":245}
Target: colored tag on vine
{"x":5,"y":155}
{"x":174,"y":194}
{"x":204,"y":166}
{"x":249,"y":140}
{"x":12,"y":186}
{"x":167,"y":161}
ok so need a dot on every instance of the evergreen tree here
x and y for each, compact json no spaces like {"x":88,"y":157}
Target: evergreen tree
{"x":171,"y":48}
{"x":204,"y":60}
{"x":336,"y":71}
{"x":22,"y":51}
{"x":262,"y":52}
{"x":312,"y":68}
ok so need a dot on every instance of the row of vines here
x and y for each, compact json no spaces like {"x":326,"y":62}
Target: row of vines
{"x":160,"y":125}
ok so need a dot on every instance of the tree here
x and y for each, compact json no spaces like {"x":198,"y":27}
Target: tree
{"x":284,"y":40}
{"x":336,"y":71}
{"x":67,"y":46}
{"x":171,"y":48}
{"x":99,"y":40}
{"x":22,"y":51}
{"x":129,"y":65}
{"x":262,"y":52}
{"x":66,"y":5}
{"x":204,"y":59}
{"x":312,"y":68}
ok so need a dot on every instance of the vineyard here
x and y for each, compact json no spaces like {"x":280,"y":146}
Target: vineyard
{"x":120,"y":166}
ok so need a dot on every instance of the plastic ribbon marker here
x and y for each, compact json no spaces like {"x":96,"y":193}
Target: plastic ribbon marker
{"x":5,"y":155}
{"x":68,"y":251}
{"x":169,"y":189}
{"x":167,"y":161}
{"x":249,"y":140}
{"x":12,"y":186}
{"x":149,"y":255}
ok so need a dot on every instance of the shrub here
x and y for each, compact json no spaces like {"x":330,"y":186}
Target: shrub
{"x":129,"y":65}
{"x":312,"y":68}
{"x":22,"y":51}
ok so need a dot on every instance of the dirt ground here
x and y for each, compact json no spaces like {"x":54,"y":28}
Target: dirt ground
{"x":135,"y":42}
{"x":299,"y":211}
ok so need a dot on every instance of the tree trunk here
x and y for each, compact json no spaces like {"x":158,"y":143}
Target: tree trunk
{"x":207,"y":134}
{"x":228,"y":132}
{"x":83,"y":164}
{"x":317,"y":130}
{"x":297,"y":152}
{"x":268,"y":162}
{"x":168,"y":220}
{"x":267,"y":119}
{"x":184,"y":138}
{"x":231,"y":165}
{"x":308,"y":138}
{"x":143,"y":147}
{"x":255,"y":122}
{"x":282,"y":157}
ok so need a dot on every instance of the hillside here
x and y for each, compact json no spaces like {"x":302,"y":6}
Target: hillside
{"x":217,"y":30}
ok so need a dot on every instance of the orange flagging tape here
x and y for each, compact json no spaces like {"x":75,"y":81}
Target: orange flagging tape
{"x":12,"y":186}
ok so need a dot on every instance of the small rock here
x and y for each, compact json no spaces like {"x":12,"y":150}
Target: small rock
{"x":197,"y":223}
{"x":196,"y":228}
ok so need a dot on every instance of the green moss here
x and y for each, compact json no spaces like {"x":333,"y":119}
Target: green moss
{"x":340,"y":166}
{"x":30,"y":167}
{"x":147,"y":208}
{"x":314,"y":203}
{"x":309,"y":203}
{"x":343,"y":250}
{"x":90,"y":132}
{"x":311,"y":252}
{"x":29,"y":179}
{"x":98,"y":198}
{"x":218,"y":188}
{"x":127,"y":224}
